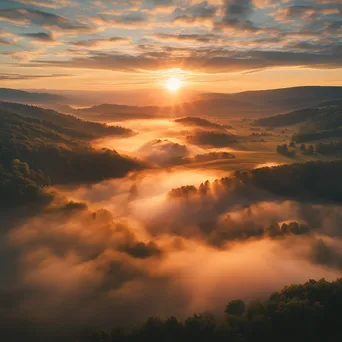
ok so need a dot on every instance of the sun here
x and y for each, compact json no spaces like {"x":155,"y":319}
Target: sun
{"x":173,"y":84}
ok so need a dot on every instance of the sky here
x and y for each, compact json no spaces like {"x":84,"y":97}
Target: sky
{"x":214,"y":45}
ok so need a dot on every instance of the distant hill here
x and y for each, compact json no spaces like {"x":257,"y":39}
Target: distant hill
{"x":221,"y":105}
{"x":198,"y":122}
{"x":114,"y":112}
{"x":319,"y":123}
{"x":225,"y":106}
{"x":261,"y":103}
{"x":53,"y":154}
{"x":246,"y":104}
{"x":76,"y":128}
{"x":213,"y":139}
{"x":310,"y":136}
{"x":285,"y":99}
{"x":15,"y":95}
{"x":288,"y":119}
{"x":323,"y":117}
{"x":63,"y":109}
{"x":207,"y":108}
{"x":334,"y":103}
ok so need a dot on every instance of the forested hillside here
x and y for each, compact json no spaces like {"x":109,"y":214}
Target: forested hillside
{"x":314,"y":123}
{"x":20,"y":185}
{"x":35,"y":152}
{"x":314,"y":181}
{"x":321,"y":118}
{"x":212,"y":138}
{"x":199,"y":122}
{"x":7,"y":94}
{"x":311,"y":181}
{"x":67,"y":124}
{"x":308,"y":312}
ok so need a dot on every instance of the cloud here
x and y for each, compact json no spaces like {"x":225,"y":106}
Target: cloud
{"x":163,"y":152}
{"x":20,"y":77}
{"x":24,"y":16}
{"x":305,"y":12}
{"x":120,"y":4}
{"x":126,"y":19}
{"x":204,"y":60}
{"x":4,"y":41}
{"x":7,"y":38}
{"x":202,"y":11}
{"x":39,"y":36}
{"x":98,"y":42}
{"x":237,"y":13}
{"x":159,"y":3}
{"x":233,"y":35}
{"x":201,"y":38}
{"x":238,"y":9}
{"x":49,"y":3}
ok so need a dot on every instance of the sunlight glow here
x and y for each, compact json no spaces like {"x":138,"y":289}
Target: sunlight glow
{"x":173,"y":84}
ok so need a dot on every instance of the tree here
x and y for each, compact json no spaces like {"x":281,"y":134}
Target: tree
{"x":311,"y":149}
{"x":200,"y":327}
{"x":303,"y":148}
{"x":284,"y":150}
{"x":236,"y":308}
{"x":273,"y":230}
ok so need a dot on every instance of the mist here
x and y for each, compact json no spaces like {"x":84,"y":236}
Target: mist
{"x":171,"y":240}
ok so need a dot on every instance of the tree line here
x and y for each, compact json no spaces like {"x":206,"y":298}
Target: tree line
{"x":307,"y":312}
{"x":291,"y":150}
{"x":50,"y":153}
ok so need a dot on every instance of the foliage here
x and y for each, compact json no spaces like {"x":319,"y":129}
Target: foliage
{"x":317,"y":135}
{"x":308,"y":312}
{"x":317,"y":181}
{"x":20,"y":185}
{"x":199,"y":122}
{"x":215,"y":139}
{"x":329,"y":148}
{"x":285,"y":151}
{"x":50,"y":156}
{"x":235,"y":308}
{"x":287,"y":119}
{"x":64,"y":124}
{"x":212,"y":156}
{"x":323,"y":118}
{"x":316,"y":123}
{"x":60,"y":157}
{"x":183,"y":191}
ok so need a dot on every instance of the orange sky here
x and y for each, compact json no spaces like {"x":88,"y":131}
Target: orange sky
{"x":227,"y":82}
{"x":221,"y":45}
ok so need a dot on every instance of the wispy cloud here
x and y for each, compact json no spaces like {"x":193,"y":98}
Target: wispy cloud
{"x":212,"y":36}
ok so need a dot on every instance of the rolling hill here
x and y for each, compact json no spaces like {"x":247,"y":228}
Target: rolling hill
{"x":21,"y":96}
{"x":246,"y":104}
{"x":199,"y":122}
{"x":35,"y":153}
{"x":67,"y":124}
{"x":323,"y":122}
